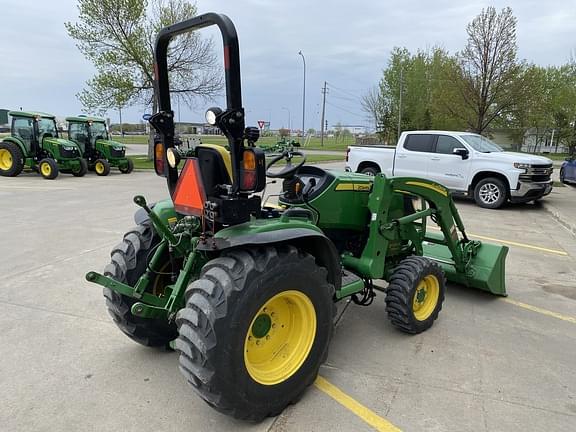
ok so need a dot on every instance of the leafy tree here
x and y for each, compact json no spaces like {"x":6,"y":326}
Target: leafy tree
{"x":118,"y":37}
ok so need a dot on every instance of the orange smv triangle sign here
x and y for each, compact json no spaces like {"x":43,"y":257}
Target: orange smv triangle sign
{"x":190,"y":196}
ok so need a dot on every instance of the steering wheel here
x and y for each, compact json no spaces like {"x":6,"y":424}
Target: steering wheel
{"x":289,"y":170}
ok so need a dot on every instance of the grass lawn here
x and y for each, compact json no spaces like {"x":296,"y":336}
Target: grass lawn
{"x":313,"y":144}
{"x":141,"y":162}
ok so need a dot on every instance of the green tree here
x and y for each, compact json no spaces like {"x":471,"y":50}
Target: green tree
{"x":118,"y":37}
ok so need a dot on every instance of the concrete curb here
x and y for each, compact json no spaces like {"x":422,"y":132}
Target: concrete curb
{"x":561,"y":218}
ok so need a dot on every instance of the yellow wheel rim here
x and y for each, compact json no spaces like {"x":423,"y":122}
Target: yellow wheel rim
{"x":426,"y":297}
{"x":5,"y":159}
{"x":280,"y":337}
{"x":45,"y":169}
{"x":99,"y":167}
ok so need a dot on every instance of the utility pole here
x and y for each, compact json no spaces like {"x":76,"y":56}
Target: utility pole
{"x":323,"y":111}
{"x":400,"y":104}
{"x":121,"y":127}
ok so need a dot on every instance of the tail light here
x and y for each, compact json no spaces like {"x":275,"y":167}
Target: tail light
{"x":159,"y":164}
{"x":252,"y":170}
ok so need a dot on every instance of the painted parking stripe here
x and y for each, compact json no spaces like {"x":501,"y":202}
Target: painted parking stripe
{"x":541,"y":311}
{"x":512,"y":243}
{"x":366,"y":414}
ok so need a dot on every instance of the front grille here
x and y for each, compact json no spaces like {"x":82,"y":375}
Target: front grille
{"x":68,"y":154}
{"x":115,"y":153}
{"x":537,"y":173}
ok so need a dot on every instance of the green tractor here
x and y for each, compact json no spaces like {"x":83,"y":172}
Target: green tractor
{"x":246,"y":293}
{"x":34,"y":143}
{"x":91,"y":135}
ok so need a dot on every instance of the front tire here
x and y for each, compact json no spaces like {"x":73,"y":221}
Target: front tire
{"x":490,"y":193}
{"x":11,"y":159}
{"x":128,"y":168}
{"x":255,"y":329}
{"x":81,"y":170}
{"x":128,"y":263}
{"x":102,"y":167}
{"x":415,"y":294}
{"x":48,"y":168}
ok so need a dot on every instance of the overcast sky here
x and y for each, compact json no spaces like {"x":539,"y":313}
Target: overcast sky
{"x":346,"y":43}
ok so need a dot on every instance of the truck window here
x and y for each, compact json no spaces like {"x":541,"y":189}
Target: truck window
{"x":420,"y":143}
{"x":446,"y":144}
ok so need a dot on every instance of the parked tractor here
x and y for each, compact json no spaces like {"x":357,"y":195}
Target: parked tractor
{"x":246,"y":293}
{"x":34,"y":143}
{"x":91,"y":135}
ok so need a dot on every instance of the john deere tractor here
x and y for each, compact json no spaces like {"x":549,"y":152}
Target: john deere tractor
{"x":91,"y":135}
{"x":246,"y":293}
{"x":34,"y":143}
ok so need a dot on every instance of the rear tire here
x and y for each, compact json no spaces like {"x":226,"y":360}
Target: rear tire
{"x":248,"y":307}
{"x":490,"y":193}
{"x":48,"y":168}
{"x":128,"y":263}
{"x":81,"y":170}
{"x":102,"y":167}
{"x":562,"y":176}
{"x":370,"y":171}
{"x":11,"y":159}
{"x":415,"y":294}
{"x":128,"y":168}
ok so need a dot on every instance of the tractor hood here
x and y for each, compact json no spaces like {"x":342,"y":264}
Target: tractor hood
{"x":115,"y":144}
{"x":61,"y":142}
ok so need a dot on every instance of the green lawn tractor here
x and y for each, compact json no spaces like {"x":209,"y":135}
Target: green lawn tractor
{"x":91,"y":134}
{"x":246,"y":293}
{"x":34,"y":143}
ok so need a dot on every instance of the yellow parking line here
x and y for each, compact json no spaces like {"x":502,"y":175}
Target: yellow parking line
{"x":513,"y":243}
{"x":541,"y":311}
{"x":369,"y":416}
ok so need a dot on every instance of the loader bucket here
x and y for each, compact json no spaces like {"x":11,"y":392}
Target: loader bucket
{"x":486,"y":270}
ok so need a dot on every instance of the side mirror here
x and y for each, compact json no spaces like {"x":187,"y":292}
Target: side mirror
{"x":462,"y":152}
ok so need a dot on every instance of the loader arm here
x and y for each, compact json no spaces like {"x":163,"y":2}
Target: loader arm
{"x":468,"y":262}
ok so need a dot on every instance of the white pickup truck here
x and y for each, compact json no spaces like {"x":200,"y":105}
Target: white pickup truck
{"x":464,"y":162}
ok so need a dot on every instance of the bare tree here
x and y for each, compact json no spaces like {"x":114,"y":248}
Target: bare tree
{"x":371,"y":104}
{"x":489,"y":77}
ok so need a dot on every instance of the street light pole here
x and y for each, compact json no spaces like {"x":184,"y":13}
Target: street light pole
{"x":303,"y":95}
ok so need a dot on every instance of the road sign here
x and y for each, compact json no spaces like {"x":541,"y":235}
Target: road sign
{"x":146,"y":117}
{"x":261,"y":123}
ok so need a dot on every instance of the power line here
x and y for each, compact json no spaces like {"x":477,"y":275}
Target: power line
{"x":344,"y":109}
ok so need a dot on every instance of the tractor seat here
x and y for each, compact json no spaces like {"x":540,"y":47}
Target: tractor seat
{"x":215,"y":167}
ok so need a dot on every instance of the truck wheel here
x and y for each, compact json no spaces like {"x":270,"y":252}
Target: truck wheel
{"x":128,"y":168}
{"x":48,"y":168}
{"x":81,"y":170}
{"x":490,"y":193}
{"x":102,"y":167}
{"x":562,"y":174}
{"x":370,"y":170}
{"x":415,"y":294}
{"x":255,"y":329}
{"x":11,"y":159}
{"x":129,"y":260}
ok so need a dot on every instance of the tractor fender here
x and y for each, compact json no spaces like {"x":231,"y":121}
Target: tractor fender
{"x":307,"y":239}
{"x":163,"y":209}
{"x":18,"y":143}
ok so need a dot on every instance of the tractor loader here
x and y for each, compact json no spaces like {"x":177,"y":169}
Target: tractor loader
{"x":246,"y":293}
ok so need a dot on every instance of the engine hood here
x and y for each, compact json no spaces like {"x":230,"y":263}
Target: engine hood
{"x":111,"y":143}
{"x":61,"y":142}
{"x":517,"y":157}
